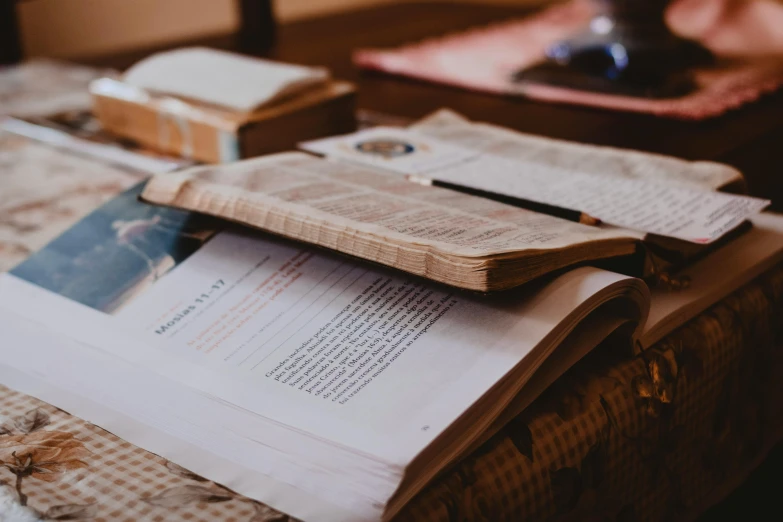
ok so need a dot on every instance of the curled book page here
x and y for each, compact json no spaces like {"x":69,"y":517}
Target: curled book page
{"x":539,"y":152}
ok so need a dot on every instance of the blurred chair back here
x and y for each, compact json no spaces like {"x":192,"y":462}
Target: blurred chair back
{"x":257,"y":25}
{"x":10,"y":42}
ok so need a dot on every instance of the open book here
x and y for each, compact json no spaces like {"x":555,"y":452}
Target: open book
{"x":328,"y":388}
{"x":360,"y":201}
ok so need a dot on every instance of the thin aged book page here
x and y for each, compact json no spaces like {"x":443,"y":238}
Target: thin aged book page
{"x":339,"y":205}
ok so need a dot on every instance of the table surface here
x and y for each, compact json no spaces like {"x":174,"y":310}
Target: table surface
{"x":119,"y":482}
{"x":748,"y":138}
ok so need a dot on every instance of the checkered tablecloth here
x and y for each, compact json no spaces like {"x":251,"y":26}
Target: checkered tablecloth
{"x":655,"y":437}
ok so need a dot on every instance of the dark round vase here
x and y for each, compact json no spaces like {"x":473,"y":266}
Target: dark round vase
{"x":640,"y":26}
{"x":627,"y":48}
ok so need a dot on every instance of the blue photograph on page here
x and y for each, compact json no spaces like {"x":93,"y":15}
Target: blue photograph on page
{"x":117,"y":251}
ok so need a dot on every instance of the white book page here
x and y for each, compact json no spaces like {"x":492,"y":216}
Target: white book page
{"x":221,"y":78}
{"x":674,"y":210}
{"x":204,"y":435}
{"x":431,"y":381}
{"x":109,"y":152}
{"x":310,"y":480}
{"x":244,"y":319}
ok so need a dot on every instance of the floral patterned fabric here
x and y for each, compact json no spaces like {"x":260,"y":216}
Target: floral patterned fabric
{"x":658,"y":436}
{"x":58,"y":467}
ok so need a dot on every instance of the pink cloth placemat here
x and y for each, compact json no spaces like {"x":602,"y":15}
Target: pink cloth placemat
{"x":483,"y":60}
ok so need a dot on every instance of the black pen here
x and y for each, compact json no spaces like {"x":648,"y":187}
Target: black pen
{"x":542,"y":208}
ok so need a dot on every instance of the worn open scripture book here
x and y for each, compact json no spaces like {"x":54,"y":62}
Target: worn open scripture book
{"x":323,"y":386}
{"x":359,"y":201}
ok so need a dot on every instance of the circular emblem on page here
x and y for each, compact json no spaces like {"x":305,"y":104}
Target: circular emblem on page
{"x":388,"y":148}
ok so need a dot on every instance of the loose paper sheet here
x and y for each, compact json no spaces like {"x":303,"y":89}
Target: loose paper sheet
{"x":667,"y":209}
{"x":269,"y":319}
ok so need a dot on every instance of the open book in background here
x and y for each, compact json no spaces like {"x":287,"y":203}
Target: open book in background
{"x":328,"y":388}
{"x":39,"y":87}
{"x":78,"y":132}
{"x":356,"y":202}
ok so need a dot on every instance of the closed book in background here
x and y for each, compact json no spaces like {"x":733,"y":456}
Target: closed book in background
{"x":218,"y":107}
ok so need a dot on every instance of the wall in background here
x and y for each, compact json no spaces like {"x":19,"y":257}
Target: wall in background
{"x":74,"y":28}
{"x":71,"y":28}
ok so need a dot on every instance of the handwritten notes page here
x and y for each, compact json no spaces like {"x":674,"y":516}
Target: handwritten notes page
{"x":481,"y":160}
{"x":539,"y":153}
